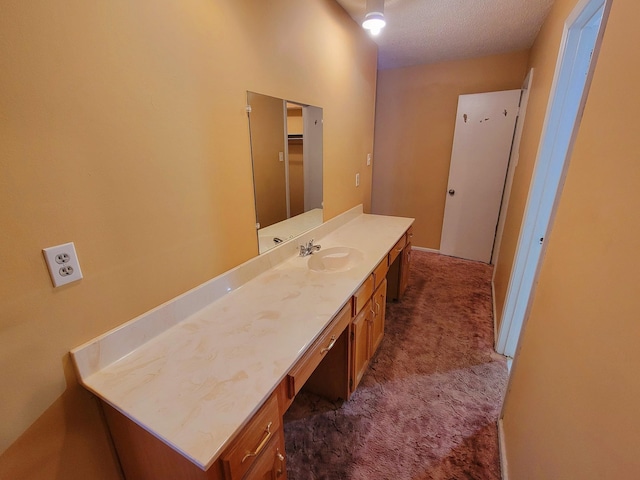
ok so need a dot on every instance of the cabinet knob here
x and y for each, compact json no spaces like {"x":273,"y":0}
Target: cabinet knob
{"x":280,"y":458}
{"x":452,"y":192}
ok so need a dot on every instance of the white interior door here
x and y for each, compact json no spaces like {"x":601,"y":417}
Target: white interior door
{"x":312,"y":153}
{"x":485,"y":124}
{"x":578,"y":53}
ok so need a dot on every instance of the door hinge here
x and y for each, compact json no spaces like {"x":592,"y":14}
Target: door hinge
{"x":248,"y":108}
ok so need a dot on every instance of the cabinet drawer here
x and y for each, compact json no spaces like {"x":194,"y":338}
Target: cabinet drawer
{"x":397,"y":248}
{"x":362,"y":295}
{"x":380,"y":273}
{"x":252,"y":441}
{"x":303,"y":369}
{"x":271,"y":464}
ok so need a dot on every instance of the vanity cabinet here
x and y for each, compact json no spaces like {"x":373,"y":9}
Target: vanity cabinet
{"x":367,"y":332}
{"x":399,"y":264}
{"x":367,"y":328}
{"x":332,"y":366}
{"x":360,"y":344}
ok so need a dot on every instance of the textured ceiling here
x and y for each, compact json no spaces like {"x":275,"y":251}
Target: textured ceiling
{"x":430,"y":31}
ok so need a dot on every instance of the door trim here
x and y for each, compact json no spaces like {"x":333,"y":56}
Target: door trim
{"x":511,"y":168}
{"x":581,"y":40}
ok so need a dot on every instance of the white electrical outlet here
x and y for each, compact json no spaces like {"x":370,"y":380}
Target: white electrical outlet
{"x":357,"y":179}
{"x":368,"y":159}
{"x":62,"y":261}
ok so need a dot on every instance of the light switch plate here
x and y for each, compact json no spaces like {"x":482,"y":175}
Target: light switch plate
{"x":63,"y":264}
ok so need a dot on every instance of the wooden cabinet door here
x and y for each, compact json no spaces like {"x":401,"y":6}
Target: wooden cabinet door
{"x":271,"y":463}
{"x":360,"y":344}
{"x":379,"y":301}
{"x":404,"y":270}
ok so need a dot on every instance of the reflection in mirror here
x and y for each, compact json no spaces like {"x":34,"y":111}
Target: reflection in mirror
{"x":286,"y":154}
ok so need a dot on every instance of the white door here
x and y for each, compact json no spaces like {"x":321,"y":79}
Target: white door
{"x":485,"y":124}
{"x":576,"y":61}
{"x":312,"y":154}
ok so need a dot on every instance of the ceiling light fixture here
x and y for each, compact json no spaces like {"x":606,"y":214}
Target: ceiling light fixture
{"x":374,"y":18}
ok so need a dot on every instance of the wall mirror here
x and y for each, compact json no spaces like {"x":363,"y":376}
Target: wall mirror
{"x":286,"y":154}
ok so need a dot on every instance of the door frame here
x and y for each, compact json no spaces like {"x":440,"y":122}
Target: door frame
{"x":581,"y":40}
{"x":511,"y":169}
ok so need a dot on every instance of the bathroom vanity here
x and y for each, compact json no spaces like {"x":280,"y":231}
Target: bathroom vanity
{"x":196,"y":388}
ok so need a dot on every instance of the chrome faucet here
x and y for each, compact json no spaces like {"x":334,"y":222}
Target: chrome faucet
{"x":309,"y":248}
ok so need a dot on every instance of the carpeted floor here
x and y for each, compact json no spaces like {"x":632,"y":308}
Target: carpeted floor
{"x":428,"y":405}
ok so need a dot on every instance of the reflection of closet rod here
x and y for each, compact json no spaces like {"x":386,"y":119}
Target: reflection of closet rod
{"x":295,"y":139}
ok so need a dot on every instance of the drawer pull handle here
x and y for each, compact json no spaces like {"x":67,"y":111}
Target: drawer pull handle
{"x":280,"y":457}
{"x":263,"y":442}
{"x":330,"y":346}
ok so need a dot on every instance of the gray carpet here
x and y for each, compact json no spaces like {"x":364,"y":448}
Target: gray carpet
{"x":428,"y":405}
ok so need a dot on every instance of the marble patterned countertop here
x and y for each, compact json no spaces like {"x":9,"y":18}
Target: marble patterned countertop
{"x":194,"y":370}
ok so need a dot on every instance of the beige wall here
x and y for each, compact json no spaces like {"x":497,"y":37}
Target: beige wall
{"x":415,"y":120}
{"x":123,"y":129}
{"x":572,"y":408}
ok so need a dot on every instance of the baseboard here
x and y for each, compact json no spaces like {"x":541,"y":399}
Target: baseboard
{"x":423,"y":249}
{"x":504,"y":470}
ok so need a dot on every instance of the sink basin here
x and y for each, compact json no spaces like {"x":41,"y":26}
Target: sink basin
{"x":335,"y":259}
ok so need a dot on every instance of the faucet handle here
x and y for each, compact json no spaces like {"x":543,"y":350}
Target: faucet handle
{"x":308,"y":248}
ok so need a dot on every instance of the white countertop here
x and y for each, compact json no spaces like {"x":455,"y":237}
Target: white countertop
{"x":197,"y":380}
